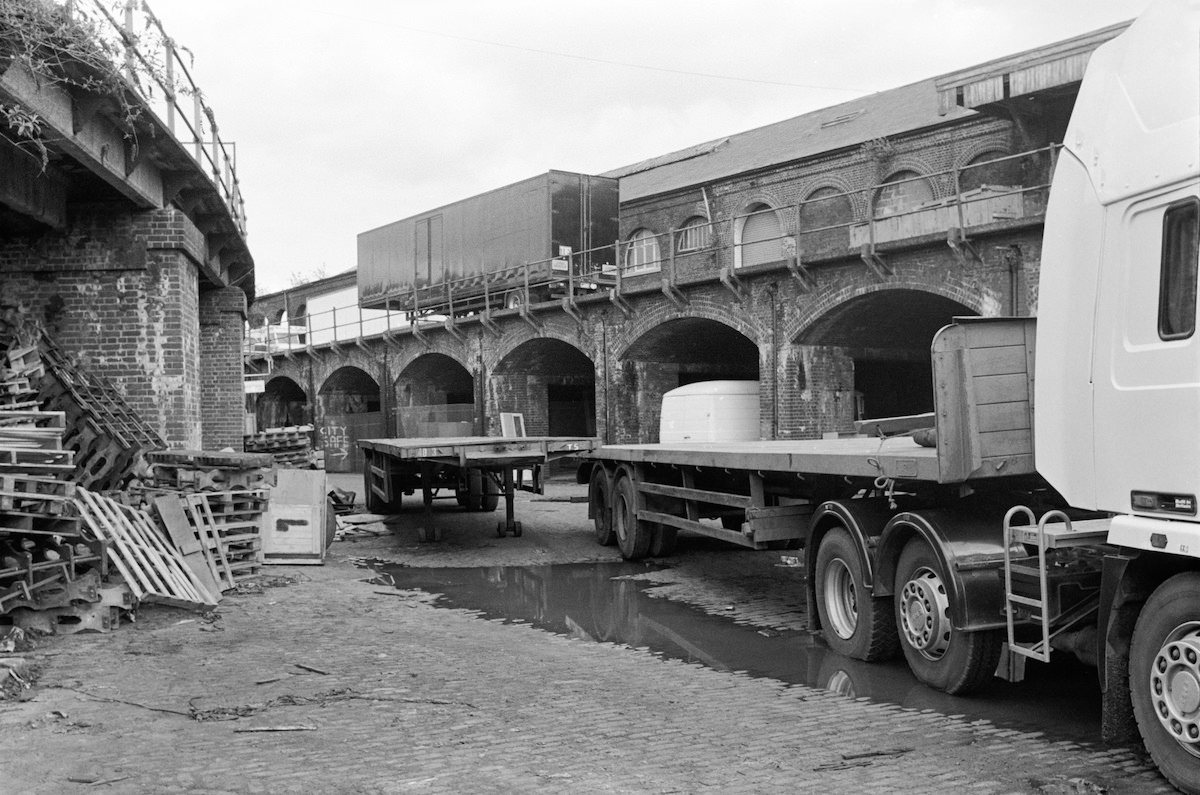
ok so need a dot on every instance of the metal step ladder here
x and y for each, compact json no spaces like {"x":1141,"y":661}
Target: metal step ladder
{"x":1055,"y":530}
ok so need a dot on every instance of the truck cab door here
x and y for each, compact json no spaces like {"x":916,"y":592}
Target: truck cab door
{"x":1146,"y":361}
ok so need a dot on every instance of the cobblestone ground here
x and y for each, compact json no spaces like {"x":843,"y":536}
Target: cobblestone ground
{"x":314,"y":680}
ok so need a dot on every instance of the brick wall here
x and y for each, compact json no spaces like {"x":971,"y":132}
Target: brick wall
{"x":222,"y":406}
{"x":120,"y":291}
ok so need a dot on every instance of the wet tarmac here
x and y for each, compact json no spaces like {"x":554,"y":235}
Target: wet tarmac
{"x":615,"y":603}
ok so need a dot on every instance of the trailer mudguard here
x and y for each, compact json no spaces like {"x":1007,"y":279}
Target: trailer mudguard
{"x":968,"y":543}
{"x":864,"y":519}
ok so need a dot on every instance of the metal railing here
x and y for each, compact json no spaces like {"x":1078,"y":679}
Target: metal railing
{"x":835,"y":224}
{"x":154,"y":70}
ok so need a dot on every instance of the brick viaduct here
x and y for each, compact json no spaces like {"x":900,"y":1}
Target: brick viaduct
{"x":887,"y":217}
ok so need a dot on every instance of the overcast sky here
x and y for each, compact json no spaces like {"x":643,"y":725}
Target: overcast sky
{"x":349,"y":114}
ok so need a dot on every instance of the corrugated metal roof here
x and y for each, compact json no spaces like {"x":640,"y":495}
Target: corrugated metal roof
{"x":887,"y":113}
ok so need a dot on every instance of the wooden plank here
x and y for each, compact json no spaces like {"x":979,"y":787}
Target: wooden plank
{"x":1000,"y":388}
{"x":1004,"y":360}
{"x":171,"y":514}
{"x":1005,"y":417}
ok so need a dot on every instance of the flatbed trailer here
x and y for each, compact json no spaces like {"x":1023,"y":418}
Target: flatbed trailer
{"x":477,"y":469}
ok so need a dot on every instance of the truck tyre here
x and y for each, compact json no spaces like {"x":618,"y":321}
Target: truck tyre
{"x":853,"y":622}
{"x":491,"y":492}
{"x":1164,"y":679}
{"x":942,"y":657}
{"x":601,"y":507}
{"x":633,"y":535}
{"x":478,"y":494}
{"x":663,"y":542}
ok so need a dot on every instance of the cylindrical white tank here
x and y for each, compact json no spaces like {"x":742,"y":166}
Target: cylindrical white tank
{"x":710,"y":411}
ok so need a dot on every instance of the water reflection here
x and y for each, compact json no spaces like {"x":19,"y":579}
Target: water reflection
{"x":611,"y":603}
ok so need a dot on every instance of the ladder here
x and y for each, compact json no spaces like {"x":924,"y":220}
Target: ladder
{"x":1055,"y":530}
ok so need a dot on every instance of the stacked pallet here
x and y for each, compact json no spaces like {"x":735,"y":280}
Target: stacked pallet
{"x":107,"y":436}
{"x":291,"y":446}
{"x":202,"y":470}
{"x":50,"y":570}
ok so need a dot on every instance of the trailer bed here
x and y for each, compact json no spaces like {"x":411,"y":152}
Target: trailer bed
{"x":425,"y":462}
{"x":481,"y":451}
{"x":897,"y":457}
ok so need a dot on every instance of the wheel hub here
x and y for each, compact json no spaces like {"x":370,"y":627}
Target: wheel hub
{"x":841,"y":599}
{"x":925,"y":614}
{"x":1175,"y":686}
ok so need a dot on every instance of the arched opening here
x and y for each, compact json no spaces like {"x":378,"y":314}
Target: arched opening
{"x":551,"y":383}
{"x":882,"y":341}
{"x":435,"y":396}
{"x":993,"y":169}
{"x":673,"y":354}
{"x":903,"y":191}
{"x":642,"y":253}
{"x":348,"y":409}
{"x":759,"y":237}
{"x":282,"y":403}
{"x":693,"y":235}
{"x":825,"y":218}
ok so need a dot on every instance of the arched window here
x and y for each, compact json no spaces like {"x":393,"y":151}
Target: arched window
{"x":641,"y":254}
{"x":989,"y":169}
{"x":901,"y":192}
{"x":825,"y":207}
{"x":759,"y":237}
{"x":693,"y":235}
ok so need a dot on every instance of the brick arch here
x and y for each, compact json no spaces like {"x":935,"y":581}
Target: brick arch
{"x":563,"y":331}
{"x":443,"y":344}
{"x":856,"y":197}
{"x":982,"y":147}
{"x":645,"y":322}
{"x":919,"y":165}
{"x":954,"y":288}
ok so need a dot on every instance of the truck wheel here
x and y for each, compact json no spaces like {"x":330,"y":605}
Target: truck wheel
{"x":663,"y":542}
{"x":601,"y":507}
{"x":633,"y":536}
{"x":1164,"y":677}
{"x":477,"y":494}
{"x":491,"y":492}
{"x":939,"y":655}
{"x":853,"y":622}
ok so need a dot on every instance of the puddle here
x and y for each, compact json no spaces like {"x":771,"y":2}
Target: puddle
{"x":611,"y":603}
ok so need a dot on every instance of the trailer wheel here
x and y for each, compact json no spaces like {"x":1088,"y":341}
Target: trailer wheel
{"x":633,"y":536}
{"x":939,"y":655}
{"x":475,"y":493}
{"x":853,"y":622}
{"x":601,"y":507}
{"x":663,"y":542}
{"x":1164,"y":677}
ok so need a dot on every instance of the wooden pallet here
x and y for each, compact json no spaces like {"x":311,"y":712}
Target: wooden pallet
{"x":153,"y":569}
{"x":35,"y":495}
{"x":228,"y":528}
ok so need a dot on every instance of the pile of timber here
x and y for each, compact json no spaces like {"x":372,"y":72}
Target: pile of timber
{"x":291,"y":447}
{"x":106,"y":434}
{"x":51,"y":570}
{"x":203,"y":470}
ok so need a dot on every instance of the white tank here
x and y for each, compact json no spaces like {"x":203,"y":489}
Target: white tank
{"x":710,"y":411}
